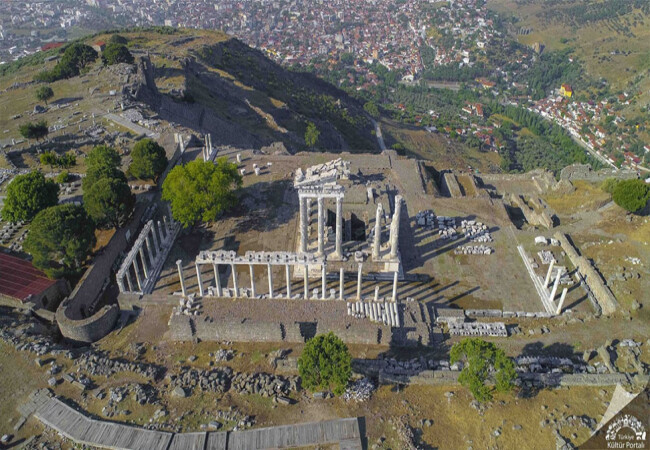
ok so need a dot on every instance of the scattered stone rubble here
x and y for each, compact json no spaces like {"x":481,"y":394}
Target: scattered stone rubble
{"x":359,"y":391}
{"x":495,"y":329}
{"x":426,"y":219}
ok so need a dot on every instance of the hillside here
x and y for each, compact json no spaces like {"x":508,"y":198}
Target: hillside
{"x":611,"y":38}
{"x":205,"y":81}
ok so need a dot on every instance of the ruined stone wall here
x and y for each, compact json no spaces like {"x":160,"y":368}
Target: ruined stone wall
{"x":542,"y":218}
{"x":603,"y":294}
{"x":586,"y":173}
{"x":87,"y":330}
{"x":450,"y":185}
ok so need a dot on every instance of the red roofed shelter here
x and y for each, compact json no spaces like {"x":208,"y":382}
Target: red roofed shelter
{"x":22,"y":284}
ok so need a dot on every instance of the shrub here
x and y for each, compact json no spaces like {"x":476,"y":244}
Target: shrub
{"x":325,"y":363}
{"x":631,"y":195}
{"x":149,"y":160}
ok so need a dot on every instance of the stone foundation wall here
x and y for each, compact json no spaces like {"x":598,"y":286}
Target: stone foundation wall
{"x":586,"y":173}
{"x":603,"y":295}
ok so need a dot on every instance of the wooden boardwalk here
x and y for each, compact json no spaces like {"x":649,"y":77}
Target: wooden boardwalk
{"x":83,"y":430}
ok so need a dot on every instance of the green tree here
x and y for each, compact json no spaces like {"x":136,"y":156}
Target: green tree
{"x":48,"y":159}
{"x":44,"y":93}
{"x":325,"y":363}
{"x":27,"y":195}
{"x":372,"y":109}
{"x":117,"y":39}
{"x":115,"y":54}
{"x":109,"y":202}
{"x":483,"y":362}
{"x":67,"y":160}
{"x":102,"y":162}
{"x":311,"y":135}
{"x":149,"y":160}
{"x":76,"y":57}
{"x":32,"y":130}
{"x":201,"y":190}
{"x":60,"y":239}
{"x":631,"y":195}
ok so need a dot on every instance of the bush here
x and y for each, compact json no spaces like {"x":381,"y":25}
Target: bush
{"x":117,"y":39}
{"x":609,"y":184}
{"x":60,"y":239}
{"x":483,"y":361}
{"x":63,"y":177}
{"x":27,"y":195}
{"x":631,"y":195}
{"x":149,"y":160}
{"x":325,"y":363}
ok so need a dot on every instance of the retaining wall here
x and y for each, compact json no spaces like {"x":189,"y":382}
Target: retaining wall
{"x":585,"y":172}
{"x":603,"y":295}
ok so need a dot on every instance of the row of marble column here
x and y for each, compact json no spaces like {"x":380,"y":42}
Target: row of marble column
{"x":153,"y":242}
{"x":394,"y":230}
{"x":305,"y":210}
{"x":219,"y":289}
{"x":551,"y":297}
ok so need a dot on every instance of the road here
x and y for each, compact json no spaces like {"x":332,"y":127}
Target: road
{"x":380,"y":138}
{"x":137,"y":129}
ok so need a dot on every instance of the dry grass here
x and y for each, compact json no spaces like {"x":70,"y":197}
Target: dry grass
{"x":586,"y":197}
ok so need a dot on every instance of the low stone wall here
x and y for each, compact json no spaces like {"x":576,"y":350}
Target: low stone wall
{"x":603,"y":295}
{"x":86,"y":330}
{"x":450,"y":185}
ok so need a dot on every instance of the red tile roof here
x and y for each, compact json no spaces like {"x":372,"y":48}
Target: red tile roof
{"x":19,"y":278}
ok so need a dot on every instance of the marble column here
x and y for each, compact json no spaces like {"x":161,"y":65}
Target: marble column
{"x":548,"y":274}
{"x":179,"y":266}
{"x":198,"y":279}
{"x":120,"y":283}
{"x":341,"y":284}
{"x":144,"y":264}
{"x":303,"y":225}
{"x":376,"y":245}
{"x":161,"y":232}
{"x":395,"y":286}
{"x":376,"y":293}
{"x":217,"y":279}
{"x":394,"y":227}
{"x":136,"y":268}
{"x":339,"y":227}
{"x":287,"y":271}
{"x":268,"y":266}
{"x":129,"y":281}
{"x":561,"y":304}
{"x":321,"y":226}
{"x":323,"y":281}
{"x":233,"y":269}
{"x":306,"y":282}
{"x":252,"y":272}
{"x":156,"y":242}
{"x":147,"y":240}
{"x":359,"y":282}
{"x":555,"y":285}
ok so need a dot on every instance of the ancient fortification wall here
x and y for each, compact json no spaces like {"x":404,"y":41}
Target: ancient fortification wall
{"x":603,"y":295}
{"x":585,"y":172}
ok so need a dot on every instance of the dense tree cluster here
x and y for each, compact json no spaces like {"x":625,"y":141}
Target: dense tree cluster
{"x":200,"y":191}
{"x":60,"y":239}
{"x":550,"y":71}
{"x":325,"y":363}
{"x":76,"y":57}
{"x":27,"y":195}
{"x":107,"y":196}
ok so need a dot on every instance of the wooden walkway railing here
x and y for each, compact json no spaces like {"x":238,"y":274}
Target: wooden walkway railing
{"x":83,"y":430}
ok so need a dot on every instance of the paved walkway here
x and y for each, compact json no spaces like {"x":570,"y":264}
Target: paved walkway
{"x":83,"y":430}
{"x":137,"y":129}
